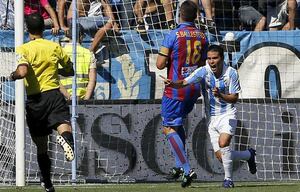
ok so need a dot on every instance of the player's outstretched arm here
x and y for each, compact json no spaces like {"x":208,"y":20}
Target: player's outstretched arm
{"x":175,"y":84}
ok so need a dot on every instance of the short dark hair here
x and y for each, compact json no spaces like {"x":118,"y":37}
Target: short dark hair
{"x":216,"y":48}
{"x":188,"y":11}
{"x":35,"y":23}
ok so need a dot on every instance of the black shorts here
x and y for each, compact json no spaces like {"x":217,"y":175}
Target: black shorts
{"x":249,"y":15}
{"x":45,"y":111}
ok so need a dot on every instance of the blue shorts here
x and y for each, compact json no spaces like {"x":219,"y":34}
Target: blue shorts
{"x":90,"y":25}
{"x":174,"y":111}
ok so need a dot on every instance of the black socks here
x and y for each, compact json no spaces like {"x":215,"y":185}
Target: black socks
{"x":68,"y":137}
{"x":45,"y":168}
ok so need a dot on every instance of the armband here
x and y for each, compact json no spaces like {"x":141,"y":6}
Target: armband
{"x":160,"y":53}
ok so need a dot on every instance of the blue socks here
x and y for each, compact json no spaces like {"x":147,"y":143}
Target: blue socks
{"x":178,"y":151}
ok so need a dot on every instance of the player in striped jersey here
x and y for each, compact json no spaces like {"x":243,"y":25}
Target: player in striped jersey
{"x":183,"y":50}
{"x":220,"y":88}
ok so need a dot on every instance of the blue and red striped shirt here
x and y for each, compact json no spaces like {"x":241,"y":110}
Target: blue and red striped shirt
{"x":187,"y":47}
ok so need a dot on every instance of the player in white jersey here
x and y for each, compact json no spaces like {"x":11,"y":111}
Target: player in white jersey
{"x":220,"y":89}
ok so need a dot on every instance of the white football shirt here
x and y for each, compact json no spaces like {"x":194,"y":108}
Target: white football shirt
{"x":227,"y":83}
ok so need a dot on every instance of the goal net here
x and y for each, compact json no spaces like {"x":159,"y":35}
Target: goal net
{"x":7,"y":117}
{"x":118,"y":131}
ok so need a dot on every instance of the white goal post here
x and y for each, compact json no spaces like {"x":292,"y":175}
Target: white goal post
{"x":20,"y":102}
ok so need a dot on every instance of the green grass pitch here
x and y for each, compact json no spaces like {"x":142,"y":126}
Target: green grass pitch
{"x":166,"y":187}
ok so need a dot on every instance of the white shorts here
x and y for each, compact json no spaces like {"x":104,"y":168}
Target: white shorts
{"x":225,"y":123}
